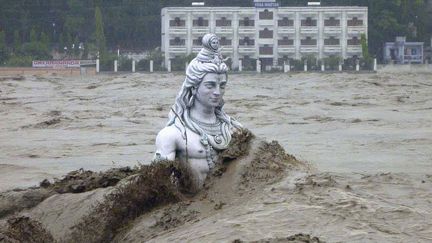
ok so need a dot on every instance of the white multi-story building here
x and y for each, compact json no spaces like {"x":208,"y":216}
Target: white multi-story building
{"x":266,"y":32}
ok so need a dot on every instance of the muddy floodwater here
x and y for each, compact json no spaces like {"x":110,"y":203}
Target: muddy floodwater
{"x":362,"y":170}
{"x":365,"y":123}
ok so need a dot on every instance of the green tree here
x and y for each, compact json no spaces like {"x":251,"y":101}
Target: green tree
{"x":99,"y":32}
{"x":17,"y":41}
{"x":3,"y":49}
{"x":33,"y":35}
{"x":76,"y":46}
{"x":44,"y":39}
{"x":364,"y":45}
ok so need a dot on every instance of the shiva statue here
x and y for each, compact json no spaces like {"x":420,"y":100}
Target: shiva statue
{"x":198,"y":128}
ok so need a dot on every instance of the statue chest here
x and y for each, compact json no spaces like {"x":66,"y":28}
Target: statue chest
{"x":195,"y":148}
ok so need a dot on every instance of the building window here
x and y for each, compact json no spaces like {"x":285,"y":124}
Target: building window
{"x":197,"y":41}
{"x":285,"y":42}
{"x":177,"y":22}
{"x":246,"y":22}
{"x":266,"y":14}
{"x":200,"y":22}
{"x":224,"y":41}
{"x":331,"y":41}
{"x":285,"y":22}
{"x":266,"y":33}
{"x":332,"y":21}
{"x":177,"y":42}
{"x":308,"y":41}
{"x":355,"y":41}
{"x":355,"y":22}
{"x":266,"y":50}
{"x":223,"y":22}
{"x":309,"y":22}
{"x":246,"y":41}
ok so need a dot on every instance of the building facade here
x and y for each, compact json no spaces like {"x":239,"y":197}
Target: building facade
{"x":270,"y":34}
{"x":403,"y":52}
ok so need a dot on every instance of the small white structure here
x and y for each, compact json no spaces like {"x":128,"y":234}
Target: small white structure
{"x":97,"y":65}
{"x":258,"y":66}
{"x":403,"y":52}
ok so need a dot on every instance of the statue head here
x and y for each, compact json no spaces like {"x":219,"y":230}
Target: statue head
{"x":208,"y":60}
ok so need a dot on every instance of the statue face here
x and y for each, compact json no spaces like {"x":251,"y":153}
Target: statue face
{"x":211,"y":90}
{"x":214,"y":43}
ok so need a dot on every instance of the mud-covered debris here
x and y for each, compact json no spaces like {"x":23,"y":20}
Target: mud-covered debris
{"x":174,"y":216}
{"x":269,"y":164}
{"x":25,"y":229}
{"x":45,"y":183}
{"x":239,"y":145}
{"x":151,"y":187}
{"x":86,"y":180}
{"x":16,"y":78}
{"x":48,"y":123}
{"x":15,"y":201}
{"x":297,"y":238}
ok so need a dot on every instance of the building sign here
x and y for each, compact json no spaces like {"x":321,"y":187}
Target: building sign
{"x":266,"y":4}
{"x":56,"y":64}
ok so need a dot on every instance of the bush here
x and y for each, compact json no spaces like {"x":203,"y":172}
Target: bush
{"x":107,"y":62}
{"x":143,"y":65}
{"x":312,"y":63}
{"x":297,"y":65}
{"x":124,"y":64}
{"x":366,"y":63}
{"x":157,"y":56}
{"x":332,"y":62}
{"x":37,"y":50}
{"x":19,"y":61}
{"x":178,"y":63}
{"x":349,"y":63}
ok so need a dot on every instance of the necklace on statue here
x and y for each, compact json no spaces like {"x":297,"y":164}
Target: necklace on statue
{"x":213,"y":129}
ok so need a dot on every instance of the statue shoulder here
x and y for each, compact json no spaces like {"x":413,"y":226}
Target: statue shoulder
{"x":167,"y":141}
{"x":168,"y":134}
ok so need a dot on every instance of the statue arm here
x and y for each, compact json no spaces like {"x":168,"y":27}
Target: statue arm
{"x":166,"y":144}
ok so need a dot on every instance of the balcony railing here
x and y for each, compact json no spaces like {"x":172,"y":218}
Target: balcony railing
{"x":246,"y":42}
{"x":198,"y":22}
{"x":332,"y":22}
{"x":308,"y":23}
{"x":285,"y":22}
{"x":331,"y":42}
{"x":266,"y":50}
{"x":246,"y":22}
{"x":177,"y":42}
{"x":177,"y":23}
{"x":246,"y":49}
{"x":266,"y":33}
{"x":353,"y":42}
{"x":355,"y":22}
{"x":266,"y":15}
{"x":225,"y":42}
{"x":223,"y":22}
{"x":308,"y":42}
{"x":197,"y":42}
{"x":285,"y":42}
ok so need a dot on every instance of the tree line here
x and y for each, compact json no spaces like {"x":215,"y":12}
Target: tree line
{"x":33,"y":29}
